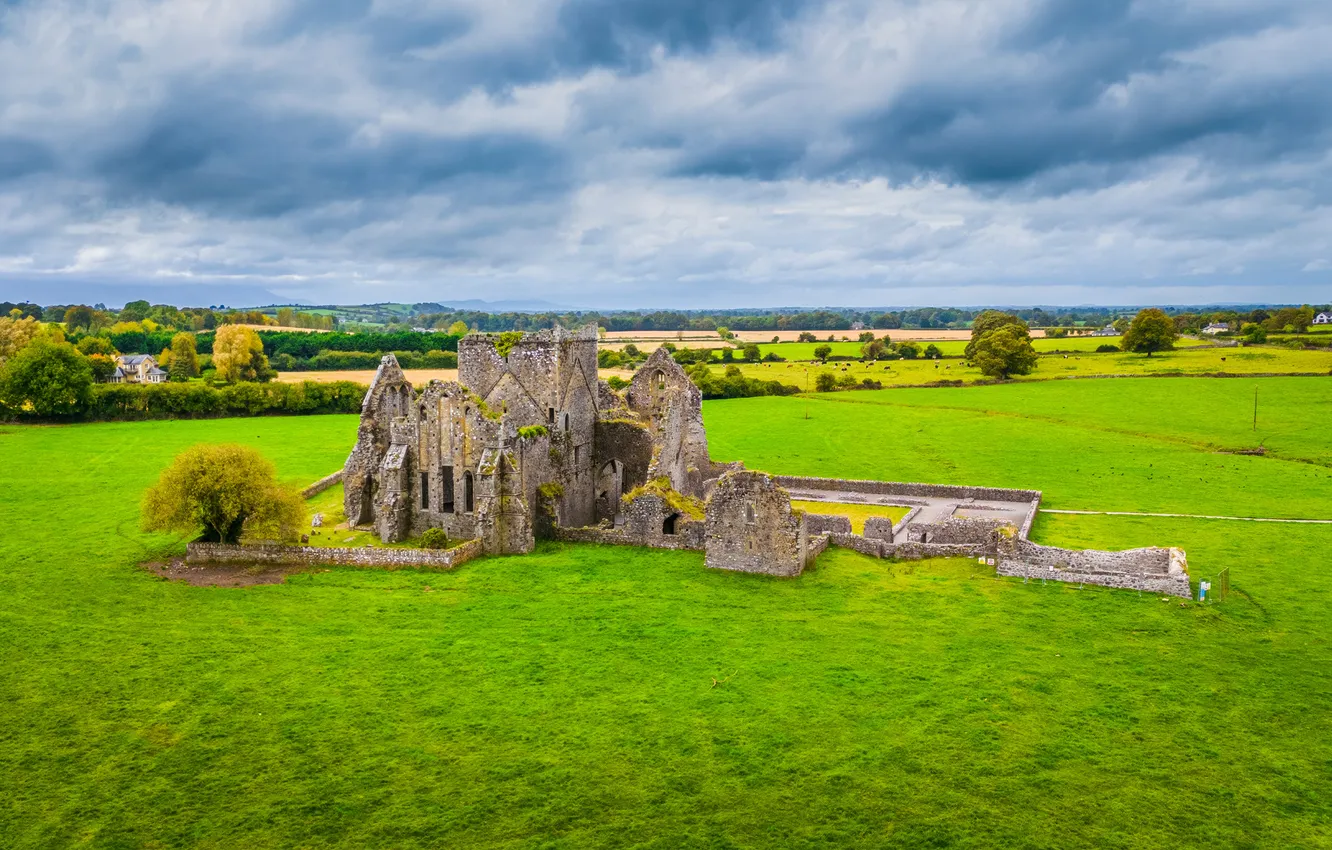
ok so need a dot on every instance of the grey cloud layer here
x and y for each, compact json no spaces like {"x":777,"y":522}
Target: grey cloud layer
{"x":731,"y":151}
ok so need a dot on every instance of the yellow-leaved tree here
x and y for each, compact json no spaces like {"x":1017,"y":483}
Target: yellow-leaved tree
{"x":224,"y":492}
{"x":238,"y":355}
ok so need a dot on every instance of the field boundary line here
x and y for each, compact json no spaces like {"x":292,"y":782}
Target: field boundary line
{"x":1190,"y":516}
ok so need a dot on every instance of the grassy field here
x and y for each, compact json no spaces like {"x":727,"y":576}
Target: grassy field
{"x":1189,"y":361}
{"x":854,"y":512}
{"x":566,"y":700}
{"x":797,"y":351}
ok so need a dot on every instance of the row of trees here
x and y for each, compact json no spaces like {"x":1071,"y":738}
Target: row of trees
{"x":45,"y":375}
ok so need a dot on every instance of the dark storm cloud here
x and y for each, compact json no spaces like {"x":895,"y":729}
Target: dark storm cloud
{"x":1103,"y":85}
{"x":22,"y":157}
{"x":620,"y":33}
{"x":209,"y":148}
{"x":634,"y":142}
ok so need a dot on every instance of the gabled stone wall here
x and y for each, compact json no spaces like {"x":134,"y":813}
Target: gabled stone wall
{"x":751,"y":528}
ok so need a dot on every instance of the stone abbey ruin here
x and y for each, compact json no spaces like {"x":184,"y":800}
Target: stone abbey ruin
{"x":528,"y":443}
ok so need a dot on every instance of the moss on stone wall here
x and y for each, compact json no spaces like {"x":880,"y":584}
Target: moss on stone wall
{"x":661,"y":488}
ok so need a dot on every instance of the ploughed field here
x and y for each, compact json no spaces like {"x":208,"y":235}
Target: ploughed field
{"x":566,"y":699}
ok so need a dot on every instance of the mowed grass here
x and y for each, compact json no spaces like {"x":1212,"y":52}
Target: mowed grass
{"x":1188,"y":361}
{"x":565,"y":699}
{"x":948,"y":347}
{"x":1153,"y":459}
{"x":857,"y":513}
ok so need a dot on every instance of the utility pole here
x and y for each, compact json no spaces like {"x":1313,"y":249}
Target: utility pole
{"x":806,"y":392}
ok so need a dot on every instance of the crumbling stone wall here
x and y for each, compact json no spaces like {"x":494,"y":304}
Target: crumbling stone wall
{"x":751,"y":528}
{"x":623,"y":456}
{"x":364,"y":556}
{"x":880,"y":528}
{"x":322,"y":484}
{"x":826,"y":524}
{"x":672,"y":405}
{"x":897,"y":488}
{"x":1154,"y":569}
{"x":954,"y":530}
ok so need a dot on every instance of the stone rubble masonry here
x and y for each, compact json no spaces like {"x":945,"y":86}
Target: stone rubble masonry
{"x":882,"y":528}
{"x":955,"y":530}
{"x":363,"y":556}
{"x":1155,"y":569}
{"x":322,"y":484}
{"x":689,"y":537}
{"x":895,"y":488}
{"x":828,"y":524}
{"x":880,"y":548}
{"x":751,"y":528}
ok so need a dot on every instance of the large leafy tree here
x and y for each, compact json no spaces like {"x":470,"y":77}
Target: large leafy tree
{"x":184,"y":363}
{"x":1004,"y":352}
{"x":48,"y":377}
{"x":16,"y":333}
{"x":993,"y":320}
{"x":1151,"y":330}
{"x":225,"y":491}
{"x":238,"y":355}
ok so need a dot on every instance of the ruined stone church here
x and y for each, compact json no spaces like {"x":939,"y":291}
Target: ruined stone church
{"x":529,"y":443}
{"x":523,"y":437}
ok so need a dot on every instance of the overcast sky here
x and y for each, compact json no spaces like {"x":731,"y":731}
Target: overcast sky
{"x":684,"y":153}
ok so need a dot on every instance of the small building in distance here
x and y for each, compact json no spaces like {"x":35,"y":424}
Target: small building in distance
{"x":1323,"y":319}
{"x":1108,"y":330}
{"x":137,"y":369}
{"x":1216,"y":328}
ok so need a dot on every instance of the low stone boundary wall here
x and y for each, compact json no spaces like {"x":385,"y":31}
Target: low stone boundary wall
{"x":1167,"y":585}
{"x":690,"y":537}
{"x":1025,"y":531}
{"x":906,"y":551}
{"x":816,"y":547}
{"x":361,"y":556}
{"x":970,"y":532}
{"x":323,"y":484}
{"x":904,"y":522}
{"x":895,"y":488}
{"x":1155,"y":569}
{"x":827,"y":524}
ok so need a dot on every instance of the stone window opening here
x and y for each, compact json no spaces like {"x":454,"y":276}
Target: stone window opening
{"x":446,"y":489}
{"x":469,"y":497}
{"x":577,"y":452}
{"x":668,"y":524}
{"x":425,"y":491}
{"x":661,"y":380}
{"x":749,"y":512}
{"x":550,"y":415}
{"x":564,"y":422}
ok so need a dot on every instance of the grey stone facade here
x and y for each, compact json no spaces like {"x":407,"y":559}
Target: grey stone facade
{"x":474,"y":457}
{"x":751,"y":527}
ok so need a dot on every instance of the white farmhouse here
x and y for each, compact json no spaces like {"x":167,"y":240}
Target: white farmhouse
{"x":137,"y":369}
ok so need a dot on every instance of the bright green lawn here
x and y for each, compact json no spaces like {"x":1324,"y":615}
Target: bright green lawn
{"x":565,"y":699}
{"x":857,"y":513}
{"x":1196,"y":361}
{"x":949,"y":347}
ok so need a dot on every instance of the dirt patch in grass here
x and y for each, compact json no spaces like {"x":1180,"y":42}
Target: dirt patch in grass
{"x":222,"y":575}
